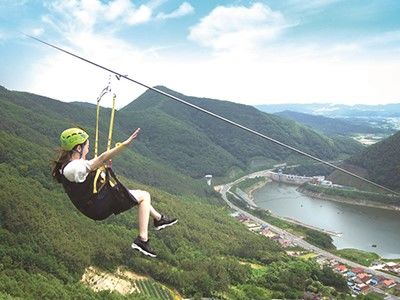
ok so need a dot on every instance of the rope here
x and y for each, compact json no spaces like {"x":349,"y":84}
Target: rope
{"x":103,"y":92}
{"x":100,"y":170}
{"x":216,"y":116}
{"x":110,"y":131}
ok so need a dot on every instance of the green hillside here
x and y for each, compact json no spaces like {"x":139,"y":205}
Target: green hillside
{"x":381,"y":161}
{"x":30,"y":129}
{"x":46,"y":244}
{"x":197,"y":144}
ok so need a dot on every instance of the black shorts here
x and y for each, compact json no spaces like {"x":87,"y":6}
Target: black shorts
{"x":110,"y":200}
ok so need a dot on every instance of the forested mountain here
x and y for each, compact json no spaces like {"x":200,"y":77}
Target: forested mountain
{"x":30,"y":128}
{"x":328,"y":125}
{"x":46,"y":244}
{"x":381,"y":161}
{"x":197,"y":143}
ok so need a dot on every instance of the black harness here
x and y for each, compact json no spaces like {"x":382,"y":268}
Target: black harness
{"x":110,"y":199}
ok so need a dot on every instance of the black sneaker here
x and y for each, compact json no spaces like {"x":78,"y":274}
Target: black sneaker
{"x":164,"y":222}
{"x":143,"y":247}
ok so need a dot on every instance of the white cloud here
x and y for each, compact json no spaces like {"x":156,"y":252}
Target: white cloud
{"x":94,"y":15}
{"x":291,"y":77}
{"x":238,"y":27}
{"x":140,"y":15}
{"x":63,"y":77}
{"x":88,"y":27}
{"x":184,"y":9}
{"x":117,"y":8}
{"x":255,"y":74}
{"x":276,"y":76}
{"x":90,"y":15}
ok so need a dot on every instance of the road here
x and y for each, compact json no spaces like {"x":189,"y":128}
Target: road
{"x":224,"y":189}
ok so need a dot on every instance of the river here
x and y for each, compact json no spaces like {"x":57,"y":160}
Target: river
{"x":361,"y":227}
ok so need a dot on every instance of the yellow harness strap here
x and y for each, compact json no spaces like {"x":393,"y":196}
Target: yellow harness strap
{"x":110,"y":132}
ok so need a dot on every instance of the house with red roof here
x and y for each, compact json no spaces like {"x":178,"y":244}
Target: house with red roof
{"x":389,"y":283}
{"x":364,"y":277}
{"x":357,"y":270}
{"x":341,"y":268}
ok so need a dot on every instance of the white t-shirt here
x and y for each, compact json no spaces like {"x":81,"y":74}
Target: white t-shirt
{"x":77,"y":170}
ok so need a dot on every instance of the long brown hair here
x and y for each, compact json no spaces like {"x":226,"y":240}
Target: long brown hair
{"x":63,"y":157}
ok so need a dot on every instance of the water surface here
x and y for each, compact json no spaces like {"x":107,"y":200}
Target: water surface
{"x":361,"y":226}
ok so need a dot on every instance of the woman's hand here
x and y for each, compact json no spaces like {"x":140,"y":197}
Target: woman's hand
{"x":105,"y":156}
{"x":131,"y":138}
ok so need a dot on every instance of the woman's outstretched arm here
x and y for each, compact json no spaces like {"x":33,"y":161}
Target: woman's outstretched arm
{"x":107,"y":155}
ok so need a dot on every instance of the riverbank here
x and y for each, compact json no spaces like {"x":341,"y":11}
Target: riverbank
{"x":252,"y":189}
{"x":352,"y":201}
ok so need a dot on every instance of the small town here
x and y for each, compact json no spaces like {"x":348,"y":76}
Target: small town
{"x":359,"y":280}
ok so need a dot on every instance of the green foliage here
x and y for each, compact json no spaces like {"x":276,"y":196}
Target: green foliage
{"x":153,"y":289}
{"x":382,"y":161}
{"x":30,"y":130}
{"x":371,"y":296}
{"x":19,"y":284}
{"x":362,"y":257}
{"x":288,"y":278}
{"x":320,"y":239}
{"x":216,"y":144}
{"x":46,"y":244}
{"x":42,"y":233}
{"x":310,"y":169}
{"x":248,"y":291}
{"x":354,"y":194}
{"x":249,"y":182}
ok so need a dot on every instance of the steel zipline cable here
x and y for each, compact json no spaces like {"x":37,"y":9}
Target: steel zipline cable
{"x":215,"y":115}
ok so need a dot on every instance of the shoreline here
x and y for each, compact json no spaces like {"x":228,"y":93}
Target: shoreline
{"x":351,"y":201}
{"x":251,"y":190}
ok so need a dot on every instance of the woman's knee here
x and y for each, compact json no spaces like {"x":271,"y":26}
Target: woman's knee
{"x":142,"y":196}
{"x":146,"y":197}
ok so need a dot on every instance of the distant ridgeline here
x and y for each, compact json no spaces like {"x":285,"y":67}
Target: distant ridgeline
{"x":330,"y":125}
{"x":46,"y":244}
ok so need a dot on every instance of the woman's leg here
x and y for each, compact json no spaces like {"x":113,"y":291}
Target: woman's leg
{"x":145,"y":209}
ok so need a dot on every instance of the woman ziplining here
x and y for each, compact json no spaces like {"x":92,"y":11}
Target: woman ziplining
{"x":78,"y":177}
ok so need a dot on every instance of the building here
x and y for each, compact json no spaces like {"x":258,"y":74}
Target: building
{"x":208,"y":177}
{"x":289,"y":178}
{"x":389,"y":283}
{"x":350,"y":274}
{"x":363,"y":277}
{"x":268,"y":233}
{"x":341,"y":268}
{"x":357,"y":270}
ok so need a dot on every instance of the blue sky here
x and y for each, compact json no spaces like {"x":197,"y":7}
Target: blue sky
{"x":252,"y":52}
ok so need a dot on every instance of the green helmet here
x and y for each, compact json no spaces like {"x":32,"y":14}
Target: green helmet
{"x":71,"y":137}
